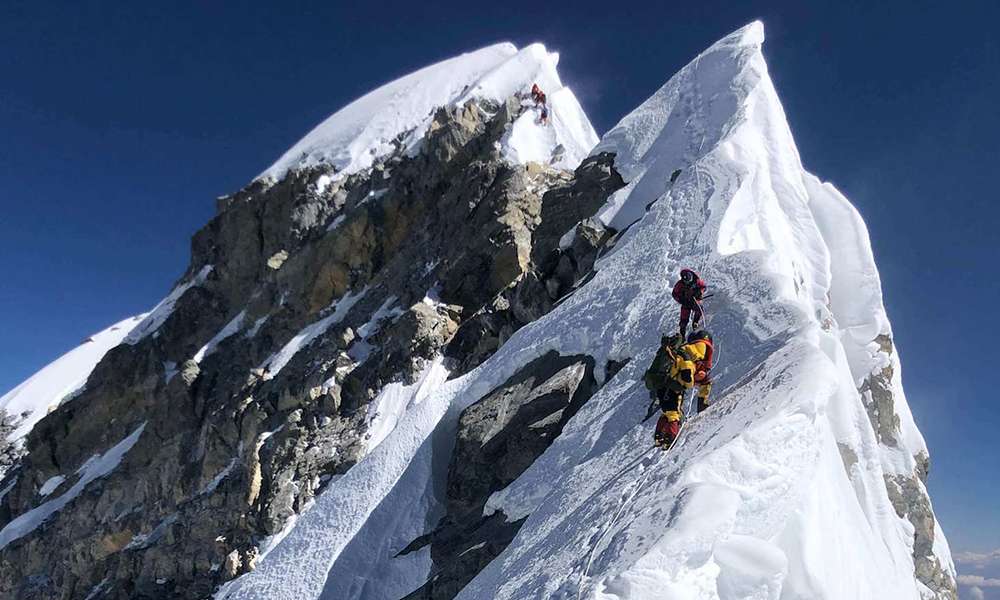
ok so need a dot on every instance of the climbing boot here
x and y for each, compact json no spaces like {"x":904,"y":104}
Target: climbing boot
{"x":667,"y":428}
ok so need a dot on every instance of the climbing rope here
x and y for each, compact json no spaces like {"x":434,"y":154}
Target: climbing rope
{"x":641,"y":480}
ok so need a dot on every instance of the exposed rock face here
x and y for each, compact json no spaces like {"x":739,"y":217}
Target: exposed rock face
{"x":10,"y":453}
{"x":371,"y":276}
{"x":554,"y":271}
{"x":909,"y":498}
{"x":498,"y":438}
{"x":907,"y":492}
{"x":876,"y":391}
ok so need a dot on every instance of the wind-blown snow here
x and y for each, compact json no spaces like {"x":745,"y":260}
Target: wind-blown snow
{"x":231,"y":328}
{"x":61,"y":379}
{"x":396,"y":398}
{"x":856,"y":301}
{"x":777,"y":491}
{"x":397,"y":114}
{"x":339,"y":308}
{"x":96,"y":466}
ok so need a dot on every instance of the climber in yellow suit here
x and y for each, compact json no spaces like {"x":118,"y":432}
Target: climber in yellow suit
{"x":677,"y":368}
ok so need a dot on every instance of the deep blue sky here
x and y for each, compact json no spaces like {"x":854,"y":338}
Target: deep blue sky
{"x":119,"y":124}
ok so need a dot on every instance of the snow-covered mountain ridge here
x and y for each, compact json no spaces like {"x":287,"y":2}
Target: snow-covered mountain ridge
{"x":398,"y":114}
{"x":407,"y":362}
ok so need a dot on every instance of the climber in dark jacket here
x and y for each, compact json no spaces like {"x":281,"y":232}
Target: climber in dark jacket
{"x":688,"y":292}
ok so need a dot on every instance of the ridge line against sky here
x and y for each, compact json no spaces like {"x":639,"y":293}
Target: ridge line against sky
{"x":121,"y":126}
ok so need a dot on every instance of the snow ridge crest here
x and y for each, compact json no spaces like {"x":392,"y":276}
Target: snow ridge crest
{"x":399,"y":113}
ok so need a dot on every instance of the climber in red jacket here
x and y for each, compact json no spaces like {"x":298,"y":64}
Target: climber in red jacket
{"x":688,"y":292}
{"x":537,"y":95}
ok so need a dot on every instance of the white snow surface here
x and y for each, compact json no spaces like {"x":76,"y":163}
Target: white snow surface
{"x":231,"y":328}
{"x":61,"y":379}
{"x":398,"y":113}
{"x":396,"y":398}
{"x":776,"y":492}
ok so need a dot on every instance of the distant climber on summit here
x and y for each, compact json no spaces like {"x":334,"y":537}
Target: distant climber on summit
{"x":539,"y":97}
{"x":678,"y":367}
{"x":688,"y":292}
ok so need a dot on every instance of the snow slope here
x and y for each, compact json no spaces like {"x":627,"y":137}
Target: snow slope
{"x":777,"y":491}
{"x":398,"y":113}
{"x":61,"y":379}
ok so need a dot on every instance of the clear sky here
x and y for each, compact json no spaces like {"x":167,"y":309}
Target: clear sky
{"x":120,"y":124}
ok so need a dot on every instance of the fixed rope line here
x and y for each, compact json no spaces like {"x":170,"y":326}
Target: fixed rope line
{"x":641,"y":480}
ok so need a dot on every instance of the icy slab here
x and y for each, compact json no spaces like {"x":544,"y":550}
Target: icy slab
{"x":96,"y":466}
{"x":336,"y":222}
{"x":231,"y":328}
{"x":398,"y":113}
{"x":256,"y":326}
{"x":220,"y":477}
{"x":396,"y":398}
{"x":276,"y":362}
{"x":361,"y":348}
{"x":43,"y":391}
{"x":386,"y":310}
{"x":145,"y":540}
{"x":50,"y":485}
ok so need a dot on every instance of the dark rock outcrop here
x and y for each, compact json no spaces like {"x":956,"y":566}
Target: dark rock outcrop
{"x":907,"y":492}
{"x":332,"y":288}
{"x":554,"y":270}
{"x":499,"y":436}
